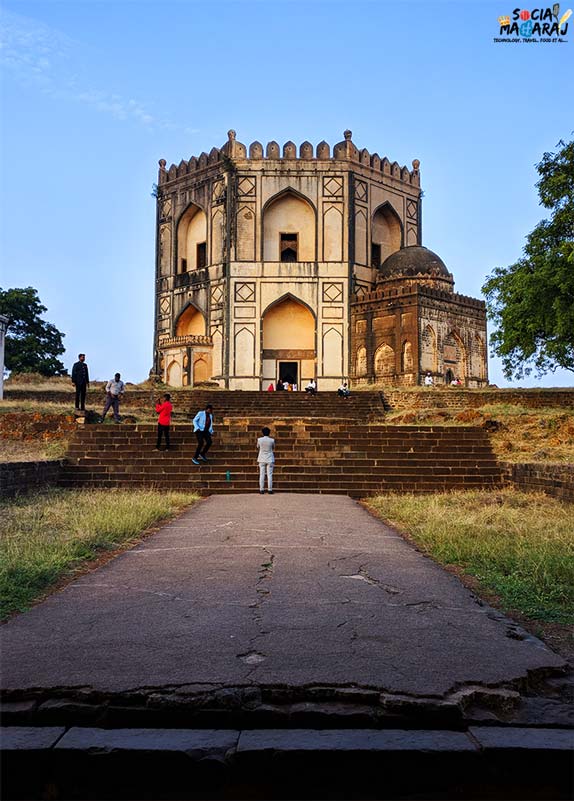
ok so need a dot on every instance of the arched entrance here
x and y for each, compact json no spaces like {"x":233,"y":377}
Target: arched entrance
{"x":288,"y":329}
{"x":190,"y":322}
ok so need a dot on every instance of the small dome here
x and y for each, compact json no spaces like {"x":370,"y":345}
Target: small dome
{"x":414,"y":261}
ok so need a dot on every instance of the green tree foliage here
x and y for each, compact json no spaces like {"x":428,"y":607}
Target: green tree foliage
{"x":32,"y":344}
{"x":532,"y":301}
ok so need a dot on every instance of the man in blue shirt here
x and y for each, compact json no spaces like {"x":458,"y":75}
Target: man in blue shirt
{"x":203,"y":427}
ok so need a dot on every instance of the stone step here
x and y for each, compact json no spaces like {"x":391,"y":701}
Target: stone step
{"x":490,"y":762}
{"x":332,"y":456}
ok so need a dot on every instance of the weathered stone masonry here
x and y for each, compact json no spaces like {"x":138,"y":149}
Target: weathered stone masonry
{"x":284,"y":263}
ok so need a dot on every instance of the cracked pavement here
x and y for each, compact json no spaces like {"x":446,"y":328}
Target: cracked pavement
{"x":288,"y":590}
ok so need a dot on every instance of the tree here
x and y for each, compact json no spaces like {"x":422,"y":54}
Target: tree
{"x":532,"y":301}
{"x":32,"y":344}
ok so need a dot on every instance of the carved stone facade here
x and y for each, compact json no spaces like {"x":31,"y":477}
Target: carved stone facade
{"x":270,"y":262}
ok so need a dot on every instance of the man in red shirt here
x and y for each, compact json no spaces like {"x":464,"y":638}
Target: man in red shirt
{"x":164,"y":409}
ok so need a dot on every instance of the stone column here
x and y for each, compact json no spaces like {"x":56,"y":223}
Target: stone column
{"x":3,"y":328}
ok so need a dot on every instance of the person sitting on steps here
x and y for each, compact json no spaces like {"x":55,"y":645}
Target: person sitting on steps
{"x":344,"y":391}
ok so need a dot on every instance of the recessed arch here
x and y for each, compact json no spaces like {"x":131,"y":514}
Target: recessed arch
{"x":429,"y":350}
{"x":173,"y":374}
{"x":288,"y":324}
{"x":201,"y":368}
{"x":478,"y":358}
{"x":361,"y":362}
{"x":454,"y":356}
{"x":384,"y":361}
{"x":386,"y":233}
{"x":190,"y":322}
{"x":407,"y":363}
{"x":289,"y":223}
{"x":191,"y":239}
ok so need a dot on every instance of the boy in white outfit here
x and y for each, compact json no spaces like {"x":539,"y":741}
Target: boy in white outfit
{"x":266,"y":461}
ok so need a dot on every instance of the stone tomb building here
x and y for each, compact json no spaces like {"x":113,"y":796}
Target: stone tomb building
{"x":304,"y":263}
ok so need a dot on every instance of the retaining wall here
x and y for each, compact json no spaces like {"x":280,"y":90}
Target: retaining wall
{"x":421,"y":398}
{"x":455,"y":398}
{"x":553,"y":479}
{"x":20,"y":477}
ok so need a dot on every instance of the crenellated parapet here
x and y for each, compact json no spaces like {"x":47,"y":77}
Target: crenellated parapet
{"x":380,"y":295}
{"x":342,"y":151}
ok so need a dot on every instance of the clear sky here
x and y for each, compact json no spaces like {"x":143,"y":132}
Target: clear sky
{"x":94,"y":92}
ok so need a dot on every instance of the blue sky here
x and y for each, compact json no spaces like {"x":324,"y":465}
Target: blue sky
{"x":94,"y":92}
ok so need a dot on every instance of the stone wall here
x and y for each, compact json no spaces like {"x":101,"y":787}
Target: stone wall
{"x":36,"y":425}
{"x":20,"y":477}
{"x":454,"y":398}
{"x":553,"y":479}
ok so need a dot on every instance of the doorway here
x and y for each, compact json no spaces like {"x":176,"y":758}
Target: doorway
{"x":289,"y":371}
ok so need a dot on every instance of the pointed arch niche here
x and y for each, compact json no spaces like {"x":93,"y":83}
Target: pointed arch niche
{"x":429,"y":351}
{"x":288,"y":325}
{"x":191,"y":239}
{"x":384,"y":361}
{"x":407,"y":363}
{"x":190,"y":322}
{"x":173,"y":376}
{"x":386,"y":234}
{"x":454,"y":357}
{"x":289,"y":228}
{"x":361,"y":362}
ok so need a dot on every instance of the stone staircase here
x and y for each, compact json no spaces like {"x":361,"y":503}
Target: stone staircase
{"x":322,"y":455}
{"x":360,"y":406}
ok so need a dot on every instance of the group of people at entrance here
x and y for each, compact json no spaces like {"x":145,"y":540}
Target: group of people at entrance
{"x":311,"y":388}
{"x":286,"y":385}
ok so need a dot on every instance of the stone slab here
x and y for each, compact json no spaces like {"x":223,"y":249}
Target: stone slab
{"x":198,"y":743}
{"x":29,"y":738}
{"x":517,"y":738}
{"x":352,"y":740}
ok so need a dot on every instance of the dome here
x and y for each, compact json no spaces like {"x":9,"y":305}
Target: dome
{"x":412,"y":262}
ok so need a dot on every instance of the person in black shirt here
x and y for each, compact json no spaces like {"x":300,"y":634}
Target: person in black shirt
{"x":81,"y":380}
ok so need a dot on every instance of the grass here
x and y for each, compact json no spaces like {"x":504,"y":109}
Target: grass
{"x":532,"y":435}
{"x":47,"y":537}
{"x":519,"y":546}
{"x":12,"y":450}
{"x":36,"y":407}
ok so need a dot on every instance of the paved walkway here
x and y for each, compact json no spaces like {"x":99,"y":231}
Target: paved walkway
{"x":291,"y":590}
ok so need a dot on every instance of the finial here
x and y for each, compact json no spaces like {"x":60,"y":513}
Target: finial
{"x":348,"y":134}
{"x":162,"y":163}
{"x":416,"y":164}
{"x":231,"y":135}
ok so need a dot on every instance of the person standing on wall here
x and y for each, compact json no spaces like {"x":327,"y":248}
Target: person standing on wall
{"x":114,"y":392}
{"x":266,"y":460}
{"x":203,"y":428}
{"x":81,"y":380}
